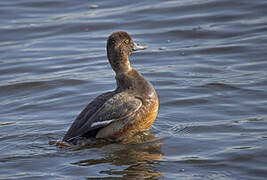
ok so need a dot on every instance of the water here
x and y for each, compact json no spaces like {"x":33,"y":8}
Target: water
{"x":206,"y":59}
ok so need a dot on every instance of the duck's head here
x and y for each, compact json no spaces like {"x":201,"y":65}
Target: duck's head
{"x":119,"y":47}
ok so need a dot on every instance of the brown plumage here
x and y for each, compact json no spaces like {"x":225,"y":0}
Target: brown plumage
{"x":121,"y":113}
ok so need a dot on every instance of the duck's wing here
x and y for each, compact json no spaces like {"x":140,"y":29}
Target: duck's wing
{"x":87,"y":112}
{"x":117,"y":107}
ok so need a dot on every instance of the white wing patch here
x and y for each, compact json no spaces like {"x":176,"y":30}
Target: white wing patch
{"x":101,"y":123}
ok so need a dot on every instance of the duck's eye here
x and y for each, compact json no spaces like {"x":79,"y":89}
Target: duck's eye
{"x":126,"y":41}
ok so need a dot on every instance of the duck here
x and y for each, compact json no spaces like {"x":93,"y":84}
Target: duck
{"x":119,"y":114}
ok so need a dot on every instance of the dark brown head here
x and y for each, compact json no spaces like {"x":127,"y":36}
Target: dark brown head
{"x":119,"y":48}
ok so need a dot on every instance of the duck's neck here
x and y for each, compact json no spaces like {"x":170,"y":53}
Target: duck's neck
{"x":121,"y":66}
{"x":128,"y":79}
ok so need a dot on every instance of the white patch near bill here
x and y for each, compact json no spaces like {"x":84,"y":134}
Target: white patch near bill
{"x":101,"y":123}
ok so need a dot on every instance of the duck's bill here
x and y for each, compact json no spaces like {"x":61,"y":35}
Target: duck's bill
{"x":139,"y":47}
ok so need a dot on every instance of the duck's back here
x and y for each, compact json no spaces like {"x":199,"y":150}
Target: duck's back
{"x":105,"y":110}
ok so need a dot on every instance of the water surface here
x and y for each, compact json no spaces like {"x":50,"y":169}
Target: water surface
{"x":206,"y":59}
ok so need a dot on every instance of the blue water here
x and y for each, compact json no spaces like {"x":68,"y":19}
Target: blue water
{"x":206,"y":59}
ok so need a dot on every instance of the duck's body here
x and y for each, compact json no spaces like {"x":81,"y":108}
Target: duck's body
{"x":121,"y":113}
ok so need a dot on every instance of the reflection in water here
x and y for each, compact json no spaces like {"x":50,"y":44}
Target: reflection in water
{"x":140,"y":158}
